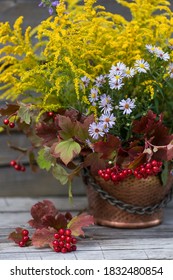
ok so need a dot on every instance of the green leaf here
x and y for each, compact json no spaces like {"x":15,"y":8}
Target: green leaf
{"x":44,"y":159}
{"x":164,"y":174}
{"x":66,"y":150}
{"x":60,"y":174}
{"x":24,"y":113}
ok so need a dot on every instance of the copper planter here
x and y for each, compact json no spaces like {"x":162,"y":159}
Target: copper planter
{"x":140,"y":202}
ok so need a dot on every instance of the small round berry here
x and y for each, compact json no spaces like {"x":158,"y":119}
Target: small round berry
{"x":73,"y":247}
{"x":63,"y":250}
{"x":68,"y":239}
{"x":21,"y":243}
{"x":55,"y":243}
{"x":68,"y":245}
{"x":62,"y":237}
{"x":57,"y":249}
{"x":74,"y":240}
{"x":154,"y":163}
{"x":6,"y":121}
{"x":56,"y":236}
{"x":12,"y":162}
{"x":25,"y":238}
{"x":25,"y":232}
{"x":61,"y":244}
{"x":17,"y":167}
{"x":106,"y":176}
{"x":50,"y":114}
{"x":68,"y":232}
{"x":12,"y":124}
{"x":61,"y":231}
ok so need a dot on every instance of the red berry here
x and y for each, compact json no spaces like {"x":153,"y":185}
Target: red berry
{"x":73,"y":247}
{"x":57,"y":249}
{"x":68,"y":232}
{"x":17,"y":167}
{"x":56,"y":236}
{"x":67,"y":245}
{"x":25,"y":232}
{"x":50,"y":114}
{"x":114,"y":177}
{"x":61,"y":231}
{"x":106,"y":176}
{"x":100,"y":172}
{"x":21,"y":243}
{"x":74,"y":240}
{"x":12,"y":162}
{"x":62,"y":237}
{"x":6,"y":121}
{"x":12,"y":124}
{"x":25,"y":238}
{"x":129,"y":171}
{"x":154,"y":163}
{"x":64,"y":250}
{"x":148,"y":166}
{"x":61,"y":244}
{"x":55,"y":243}
{"x":156,"y":169}
{"x":142,"y":170}
{"x":68,"y":239}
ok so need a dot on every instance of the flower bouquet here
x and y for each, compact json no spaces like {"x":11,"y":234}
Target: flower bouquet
{"x":93,"y":93}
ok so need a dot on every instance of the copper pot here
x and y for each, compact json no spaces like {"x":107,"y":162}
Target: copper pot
{"x":139,"y":202}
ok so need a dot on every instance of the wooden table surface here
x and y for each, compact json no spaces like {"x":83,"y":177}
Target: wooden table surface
{"x":99,"y":243}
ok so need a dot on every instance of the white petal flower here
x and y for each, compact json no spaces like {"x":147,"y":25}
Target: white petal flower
{"x":96,"y":130}
{"x":100,"y":80}
{"x":85,"y":81}
{"x":162,"y":55}
{"x":108,"y":120}
{"x":115,"y":83}
{"x":93,"y":95}
{"x":129,"y":72}
{"x":142,"y":66}
{"x":127,"y":105}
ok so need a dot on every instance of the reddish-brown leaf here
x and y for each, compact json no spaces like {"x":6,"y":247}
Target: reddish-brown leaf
{"x":39,"y":211}
{"x":109,"y":147}
{"x":16,"y":235}
{"x":43,"y":237}
{"x":9,"y":110}
{"x":79,"y":222}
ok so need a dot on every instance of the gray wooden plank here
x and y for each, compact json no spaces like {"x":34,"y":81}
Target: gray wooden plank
{"x":17,"y":204}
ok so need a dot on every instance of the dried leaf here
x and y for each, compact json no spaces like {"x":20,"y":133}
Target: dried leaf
{"x":78,"y":222}
{"x":16,"y":235}
{"x":43,"y":237}
{"x":39,"y":211}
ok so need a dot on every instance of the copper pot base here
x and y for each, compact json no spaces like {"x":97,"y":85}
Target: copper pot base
{"x":127,"y":225}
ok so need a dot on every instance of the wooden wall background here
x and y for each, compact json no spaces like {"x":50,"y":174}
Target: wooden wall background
{"x":14,"y":183}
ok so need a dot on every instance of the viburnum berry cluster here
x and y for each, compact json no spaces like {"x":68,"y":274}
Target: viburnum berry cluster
{"x":17,"y":166}
{"x":9,"y":123}
{"x":25,"y":241}
{"x":117,"y":174}
{"x":64,"y":241}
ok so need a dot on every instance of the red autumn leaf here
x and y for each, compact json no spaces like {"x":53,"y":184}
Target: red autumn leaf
{"x":78,"y":222}
{"x":109,"y":147}
{"x":9,"y":110}
{"x":43,"y":237}
{"x":81,"y":128}
{"x":39,"y":211}
{"x":16,"y":235}
{"x":95,"y":162}
{"x":47,"y":132}
{"x":58,"y":221}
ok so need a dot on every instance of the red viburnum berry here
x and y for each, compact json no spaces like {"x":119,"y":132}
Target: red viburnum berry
{"x":6,"y":121}
{"x":11,"y":124}
{"x":13,"y":163}
{"x":25,"y":232}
